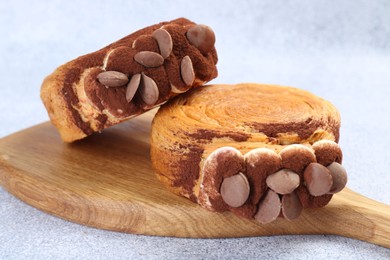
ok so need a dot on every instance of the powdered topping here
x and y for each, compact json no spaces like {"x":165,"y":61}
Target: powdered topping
{"x":201,"y":37}
{"x":156,"y":52}
{"x":265,"y":171}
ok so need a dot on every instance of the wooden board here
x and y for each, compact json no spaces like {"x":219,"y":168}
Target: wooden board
{"x":106,"y":181}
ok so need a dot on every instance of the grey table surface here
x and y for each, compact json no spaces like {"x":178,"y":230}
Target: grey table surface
{"x":339,"y":50}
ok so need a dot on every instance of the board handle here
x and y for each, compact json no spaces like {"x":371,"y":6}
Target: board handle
{"x":360,"y":218}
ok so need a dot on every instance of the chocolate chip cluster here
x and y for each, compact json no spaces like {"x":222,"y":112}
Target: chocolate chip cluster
{"x":200,"y":36}
{"x":274,"y":184}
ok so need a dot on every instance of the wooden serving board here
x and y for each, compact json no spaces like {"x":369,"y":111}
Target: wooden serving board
{"x":107,"y":181}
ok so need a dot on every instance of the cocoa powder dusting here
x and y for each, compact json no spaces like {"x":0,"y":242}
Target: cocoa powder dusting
{"x":248,"y":210}
{"x":121,"y":60}
{"x":327,"y":155}
{"x":188,"y":170}
{"x":226,"y":167}
{"x":257,"y":174}
{"x":309,"y":201}
{"x":297,"y":161}
{"x":146,"y":43}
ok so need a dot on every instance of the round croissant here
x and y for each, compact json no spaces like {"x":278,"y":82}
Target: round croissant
{"x":259,"y":151}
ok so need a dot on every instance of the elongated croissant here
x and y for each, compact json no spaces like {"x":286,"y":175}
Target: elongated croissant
{"x":259,"y":151}
{"x":129,"y":77}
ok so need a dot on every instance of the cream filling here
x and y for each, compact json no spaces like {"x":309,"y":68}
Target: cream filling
{"x":105,"y":60}
{"x":87,"y":110}
{"x":177,"y":91}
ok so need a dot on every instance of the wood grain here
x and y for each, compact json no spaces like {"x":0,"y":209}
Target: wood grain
{"x":106,"y":181}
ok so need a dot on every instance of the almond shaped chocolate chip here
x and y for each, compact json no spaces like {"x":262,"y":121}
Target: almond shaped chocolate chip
{"x":235,"y":190}
{"x":148,"y":90}
{"x":291,"y":206}
{"x":132,"y":86}
{"x":149,"y":59}
{"x":339,"y":176}
{"x":187,"y":71}
{"x":269,"y":208}
{"x":318,"y":179}
{"x":283,"y":182}
{"x":112,"y":78}
{"x":164,"y":41}
{"x":202,"y":37}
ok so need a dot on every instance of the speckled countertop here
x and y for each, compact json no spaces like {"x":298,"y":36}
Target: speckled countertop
{"x":339,"y":50}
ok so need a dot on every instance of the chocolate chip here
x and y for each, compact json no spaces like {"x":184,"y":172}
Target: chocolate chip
{"x":113,"y":78}
{"x":148,"y":90}
{"x":164,"y":41}
{"x":269,"y":208}
{"x":235,"y":190}
{"x":318,"y":179}
{"x":187,"y":71}
{"x":149,"y":59}
{"x":339,"y":176}
{"x":132,"y":86}
{"x":291,"y":206}
{"x":202,"y":37}
{"x":283,"y":182}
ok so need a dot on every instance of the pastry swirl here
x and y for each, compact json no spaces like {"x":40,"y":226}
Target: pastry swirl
{"x":129,"y":77}
{"x":259,"y":151}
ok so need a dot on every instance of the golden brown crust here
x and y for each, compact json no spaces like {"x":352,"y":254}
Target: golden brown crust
{"x":57,"y":106}
{"x":79,"y":104}
{"x":283,"y":121}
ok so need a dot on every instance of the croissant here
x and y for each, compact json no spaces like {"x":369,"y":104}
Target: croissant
{"x":259,"y":151}
{"x":129,"y":77}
